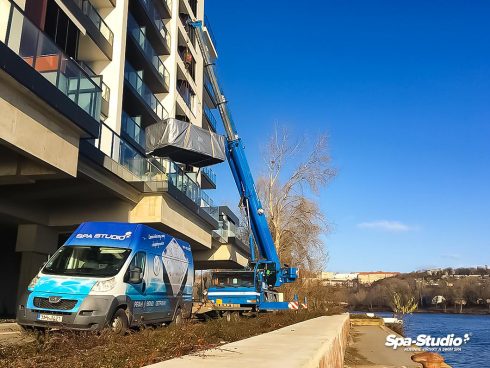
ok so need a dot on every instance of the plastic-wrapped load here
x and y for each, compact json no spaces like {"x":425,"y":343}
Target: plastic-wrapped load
{"x":186,"y":143}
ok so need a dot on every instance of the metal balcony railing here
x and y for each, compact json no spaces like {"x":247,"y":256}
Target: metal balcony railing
{"x":133,"y":129}
{"x":142,"y":89}
{"x":143,"y":168}
{"x":139,"y":36}
{"x":44,"y":56}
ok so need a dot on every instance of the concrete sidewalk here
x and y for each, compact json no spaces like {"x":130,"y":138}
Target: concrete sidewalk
{"x":10,"y":333}
{"x":319,"y":342}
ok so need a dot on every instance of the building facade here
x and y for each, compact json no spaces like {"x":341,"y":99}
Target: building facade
{"x":80,"y":83}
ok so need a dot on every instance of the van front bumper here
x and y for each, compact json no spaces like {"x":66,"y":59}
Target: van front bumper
{"x":94,"y":313}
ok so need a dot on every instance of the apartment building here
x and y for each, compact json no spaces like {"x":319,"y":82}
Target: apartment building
{"x":82,"y":82}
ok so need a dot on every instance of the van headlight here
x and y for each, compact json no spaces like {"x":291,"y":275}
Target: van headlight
{"x":104,"y":285}
{"x":33,"y":282}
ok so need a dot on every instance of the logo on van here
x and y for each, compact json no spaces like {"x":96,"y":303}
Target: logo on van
{"x":105,"y":236}
{"x":54,"y":299}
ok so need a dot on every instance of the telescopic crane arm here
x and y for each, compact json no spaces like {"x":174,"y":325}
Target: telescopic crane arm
{"x":242,"y":175}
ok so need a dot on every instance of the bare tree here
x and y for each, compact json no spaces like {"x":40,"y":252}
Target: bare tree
{"x":295,"y":220}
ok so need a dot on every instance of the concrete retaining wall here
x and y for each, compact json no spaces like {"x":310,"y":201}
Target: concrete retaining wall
{"x":316,"y":343}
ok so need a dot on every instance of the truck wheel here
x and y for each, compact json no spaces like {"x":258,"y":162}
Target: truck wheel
{"x":119,"y":322}
{"x":178,"y":318}
{"x":231,"y":316}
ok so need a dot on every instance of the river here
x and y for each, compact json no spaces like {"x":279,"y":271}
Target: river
{"x":474,"y":353}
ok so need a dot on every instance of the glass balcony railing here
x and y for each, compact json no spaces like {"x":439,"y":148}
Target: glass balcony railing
{"x":168,"y":4}
{"x":44,"y":56}
{"x":157,"y":21}
{"x":106,"y":92}
{"x":144,"y":168}
{"x":139,"y":36}
{"x":209,"y":173}
{"x":89,"y":10}
{"x":142,"y":89}
{"x":209,"y":87}
{"x":210,"y":118}
{"x":133,"y":129}
{"x":180,"y":180}
{"x":210,"y":31}
{"x":185,"y":92}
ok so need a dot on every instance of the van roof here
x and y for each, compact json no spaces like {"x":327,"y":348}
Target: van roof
{"x":122,"y":235}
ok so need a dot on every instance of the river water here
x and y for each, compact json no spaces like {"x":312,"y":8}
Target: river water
{"x":474,"y":354}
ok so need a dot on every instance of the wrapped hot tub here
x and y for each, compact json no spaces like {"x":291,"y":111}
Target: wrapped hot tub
{"x":186,"y":143}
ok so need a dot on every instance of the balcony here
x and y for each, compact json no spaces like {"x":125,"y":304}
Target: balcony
{"x":106,"y":96}
{"x":209,"y":96}
{"x":133,"y":132}
{"x":106,"y":92}
{"x":45,"y":62}
{"x":133,"y":166}
{"x":143,"y":56}
{"x":210,"y":118}
{"x":211,"y":40}
{"x":208,"y":178}
{"x":147,"y":15}
{"x":186,"y":93}
{"x":140,"y":100}
{"x":96,"y":27}
{"x":104,"y":3}
{"x":164,"y":7}
{"x":181,"y":181}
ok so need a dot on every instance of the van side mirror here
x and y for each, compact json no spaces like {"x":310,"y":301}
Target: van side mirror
{"x":135,"y":275}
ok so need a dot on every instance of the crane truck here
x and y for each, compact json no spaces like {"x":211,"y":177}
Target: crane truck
{"x":253,"y":288}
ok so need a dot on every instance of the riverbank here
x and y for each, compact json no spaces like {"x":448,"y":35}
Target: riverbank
{"x":469,"y":311}
{"x":140,"y":348}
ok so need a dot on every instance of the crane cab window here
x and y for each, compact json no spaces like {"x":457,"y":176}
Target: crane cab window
{"x":233,"y":279}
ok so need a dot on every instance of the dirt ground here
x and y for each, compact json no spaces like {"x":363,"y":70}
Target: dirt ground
{"x":139,"y":348}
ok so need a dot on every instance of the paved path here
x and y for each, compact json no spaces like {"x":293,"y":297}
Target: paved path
{"x":368,"y":349}
{"x":10,"y":334}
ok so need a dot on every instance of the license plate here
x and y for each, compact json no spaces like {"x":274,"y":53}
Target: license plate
{"x":49,"y":317}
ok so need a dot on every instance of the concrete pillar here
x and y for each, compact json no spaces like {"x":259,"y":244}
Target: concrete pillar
{"x":36,"y":242}
{"x":10,"y":265}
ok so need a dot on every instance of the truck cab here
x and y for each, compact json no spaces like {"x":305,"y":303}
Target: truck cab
{"x":246,"y":290}
{"x":111,"y":274}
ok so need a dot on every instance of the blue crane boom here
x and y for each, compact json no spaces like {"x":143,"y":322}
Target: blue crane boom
{"x":268,"y":258}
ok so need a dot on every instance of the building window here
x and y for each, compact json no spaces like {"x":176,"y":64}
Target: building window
{"x":61,"y":29}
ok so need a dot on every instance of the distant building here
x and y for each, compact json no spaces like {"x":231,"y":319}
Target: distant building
{"x":339,"y":279}
{"x":352,"y":279}
{"x":367,"y":278}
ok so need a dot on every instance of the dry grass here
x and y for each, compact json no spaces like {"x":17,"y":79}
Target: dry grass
{"x":104,"y":350}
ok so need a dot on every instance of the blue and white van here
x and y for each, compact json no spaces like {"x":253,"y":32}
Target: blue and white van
{"x":111,"y":274}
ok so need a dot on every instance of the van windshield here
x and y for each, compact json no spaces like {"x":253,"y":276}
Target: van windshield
{"x":87,"y":261}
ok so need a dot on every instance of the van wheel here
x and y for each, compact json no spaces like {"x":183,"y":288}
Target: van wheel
{"x":119,"y":322}
{"x":178,"y":318}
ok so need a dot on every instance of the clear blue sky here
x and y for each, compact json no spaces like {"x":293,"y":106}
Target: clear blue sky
{"x":403,"y":90}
